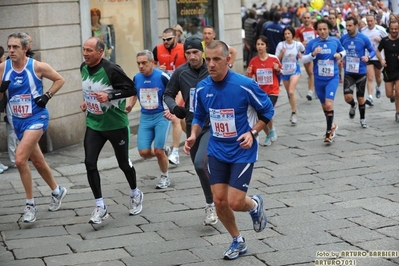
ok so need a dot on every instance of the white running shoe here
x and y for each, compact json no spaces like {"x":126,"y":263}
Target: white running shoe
{"x":98,"y":215}
{"x":174,"y":158}
{"x":29,"y":214}
{"x":3,"y":167}
{"x":293,"y":119}
{"x":136,"y":204}
{"x":363,"y":123}
{"x":273,"y":134}
{"x":210,"y":216}
{"x":164,"y":182}
{"x":56,"y":201}
{"x":309,"y":96}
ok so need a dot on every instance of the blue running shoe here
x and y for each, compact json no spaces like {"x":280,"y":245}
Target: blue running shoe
{"x":259,"y":216}
{"x":235,"y":250}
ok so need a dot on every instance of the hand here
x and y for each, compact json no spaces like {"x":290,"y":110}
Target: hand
{"x":168,"y":115}
{"x":42,"y":100}
{"x":179,"y":112}
{"x":4,"y":86}
{"x":337,"y":56}
{"x":276,"y":67}
{"x":188,"y":144}
{"x":128,"y":109}
{"x":246,"y":140}
{"x":317,"y":51}
{"x":83,"y":107}
{"x":249,"y":70}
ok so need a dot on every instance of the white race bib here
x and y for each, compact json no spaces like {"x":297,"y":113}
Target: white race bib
{"x":326,"y":68}
{"x":92,"y":104}
{"x":149,"y":98}
{"x":289,"y":65}
{"x":352,"y":64}
{"x":192,"y":93}
{"x":21,"y":105}
{"x":264,"y":76}
{"x":223,"y":123}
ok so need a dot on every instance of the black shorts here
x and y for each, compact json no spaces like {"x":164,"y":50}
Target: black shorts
{"x":376,"y":64}
{"x":390,"y":76}
{"x":355,"y":80}
{"x":273,"y":99}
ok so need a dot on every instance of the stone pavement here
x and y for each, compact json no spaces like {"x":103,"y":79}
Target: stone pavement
{"x":322,"y":201}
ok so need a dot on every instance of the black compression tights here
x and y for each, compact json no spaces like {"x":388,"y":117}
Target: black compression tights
{"x":93,"y":143}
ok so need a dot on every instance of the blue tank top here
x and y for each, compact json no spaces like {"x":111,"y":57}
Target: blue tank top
{"x":24,"y":87}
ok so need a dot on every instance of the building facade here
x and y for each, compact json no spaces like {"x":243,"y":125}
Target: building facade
{"x":59,"y":28}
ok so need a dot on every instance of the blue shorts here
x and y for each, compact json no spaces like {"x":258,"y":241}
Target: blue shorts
{"x":153,"y":128}
{"x":236,"y":175}
{"x":326,"y":89}
{"x":35,"y":122}
{"x":297,"y":72}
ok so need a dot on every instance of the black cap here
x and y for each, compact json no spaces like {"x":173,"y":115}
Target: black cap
{"x":193,"y":43}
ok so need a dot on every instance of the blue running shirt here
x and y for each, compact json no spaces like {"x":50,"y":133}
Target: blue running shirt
{"x":325,"y":65}
{"x":355,"y":50}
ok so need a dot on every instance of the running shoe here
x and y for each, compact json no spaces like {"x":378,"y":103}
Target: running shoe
{"x":293,"y":119}
{"x":363,"y":123}
{"x":235,"y":250}
{"x":273,"y":134}
{"x":309,"y":96}
{"x":370,"y":101}
{"x":267,"y":142}
{"x":377,"y":93}
{"x":210,"y":216}
{"x":29,"y":213}
{"x":56,"y":200}
{"x":397,"y":117}
{"x":168,"y":151}
{"x":98,"y":215}
{"x":352,"y":111}
{"x":136,"y":203}
{"x":164,"y":182}
{"x":330,"y":135}
{"x":3,"y":167}
{"x":174,"y":158}
{"x":392,"y":99}
{"x":259,"y":218}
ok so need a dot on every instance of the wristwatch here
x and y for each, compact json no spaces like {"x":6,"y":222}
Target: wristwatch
{"x":49,"y":94}
{"x":230,"y":65}
{"x":110,"y":96}
{"x":254,"y":133}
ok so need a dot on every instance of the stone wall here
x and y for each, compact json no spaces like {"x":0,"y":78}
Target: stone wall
{"x":55,"y":30}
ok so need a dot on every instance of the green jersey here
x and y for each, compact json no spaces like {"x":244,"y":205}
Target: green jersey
{"x":110,"y":78}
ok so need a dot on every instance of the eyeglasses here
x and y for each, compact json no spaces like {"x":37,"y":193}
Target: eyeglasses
{"x":167,"y":39}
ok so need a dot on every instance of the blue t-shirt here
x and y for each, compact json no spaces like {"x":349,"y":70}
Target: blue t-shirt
{"x":355,"y":50}
{"x":232,"y":106}
{"x":325,"y":66}
{"x":150,"y":90}
{"x":274,"y":34}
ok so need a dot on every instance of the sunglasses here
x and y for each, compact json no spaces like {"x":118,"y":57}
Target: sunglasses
{"x":168,"y":39}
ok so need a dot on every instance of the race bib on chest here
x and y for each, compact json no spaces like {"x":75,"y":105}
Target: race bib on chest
{"x":92,"y":104}
{"x":352,"y":64}
{"x":149,"y":98}
{"x":326,"y":68}
{"x":264,"y":76}
{"x":223,"y":123}
{"x":192,"y":93}
{"x":21,"y":105}
{"x":289,"y":65}
{"x":308,"y":35}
